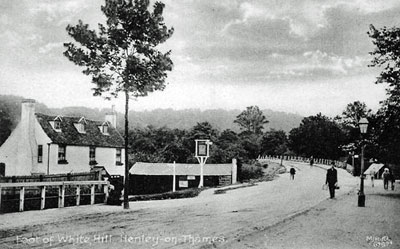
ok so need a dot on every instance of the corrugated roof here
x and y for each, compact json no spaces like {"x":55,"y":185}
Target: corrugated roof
{"x":141,"y":168}
{"x":70,"y":136}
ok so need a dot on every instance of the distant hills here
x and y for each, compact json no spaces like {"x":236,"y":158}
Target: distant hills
{"x":180,"y":119}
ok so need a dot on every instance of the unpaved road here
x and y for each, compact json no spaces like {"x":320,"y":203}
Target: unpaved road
{"x":208,"y":221}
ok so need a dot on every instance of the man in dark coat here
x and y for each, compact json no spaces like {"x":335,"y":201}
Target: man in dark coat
{"x":331,"y":180}
{"x":292,"y":172}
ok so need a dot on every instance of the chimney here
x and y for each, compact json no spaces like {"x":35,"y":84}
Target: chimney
{"x":27,"y":146}
{"x":111,"y":117}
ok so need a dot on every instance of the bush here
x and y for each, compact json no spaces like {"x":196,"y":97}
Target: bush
{"x":186,"y":193}
{"x":251,"y":172}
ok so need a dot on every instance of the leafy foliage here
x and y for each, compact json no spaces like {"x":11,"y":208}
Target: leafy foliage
{"x":354,"y":112}
{"x":387,"y":56}
{"x":122,"y":55}
{"x":274,"y":142}
{"x":251,"y":120}
{"x":317,"y":136}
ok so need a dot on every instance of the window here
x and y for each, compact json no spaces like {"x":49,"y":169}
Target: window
{"x":40,"y":154}
{"x":118,"y":158}
{"x":57,"y":125}
{"x":92,"y":154}
{"x":62,"y":154}
{"x":104,"y":128}
{"x":80,"y":127}
{"x":2,"y":169}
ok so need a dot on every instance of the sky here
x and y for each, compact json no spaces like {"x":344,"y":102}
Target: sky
{"x":296,"y":56}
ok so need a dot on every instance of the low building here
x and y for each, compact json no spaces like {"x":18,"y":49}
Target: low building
{"x":150,"y":178}
{"x":44,"y":144}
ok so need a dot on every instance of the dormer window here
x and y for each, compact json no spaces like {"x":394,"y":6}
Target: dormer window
{"x":104,"y":128}
{"x":56,"y":124}
{"x":80,"y":126}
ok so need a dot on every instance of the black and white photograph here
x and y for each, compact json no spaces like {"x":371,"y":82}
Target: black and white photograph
{"x":204,"y":124}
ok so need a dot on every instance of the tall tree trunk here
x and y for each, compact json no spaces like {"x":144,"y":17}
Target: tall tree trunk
{"x":126,"y":178}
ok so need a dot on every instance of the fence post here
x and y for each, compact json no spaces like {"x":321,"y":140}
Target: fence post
{"x":61,"y":195}
{"x":42,"y":197}
{"x":106,"y":187}
{"x":78,"y":195}
{"x":21,"y":199}
{"x":92,"y":195}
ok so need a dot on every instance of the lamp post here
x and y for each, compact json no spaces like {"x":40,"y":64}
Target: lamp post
{"x":363,"y":124}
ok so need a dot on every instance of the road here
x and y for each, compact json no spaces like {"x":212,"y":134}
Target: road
{"x":207,"y":221}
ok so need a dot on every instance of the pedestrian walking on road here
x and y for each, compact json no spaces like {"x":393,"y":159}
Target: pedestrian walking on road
{"x":331,"y":180}
{"x":311,"y":161}
{"x":392,"y":180}
{"x":372,"y":175}
{"x":292,"y":173}
{"x":386,"y":178}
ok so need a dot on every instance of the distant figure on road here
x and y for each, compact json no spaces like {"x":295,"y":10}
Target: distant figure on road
{"x":386,"y":177}
{"x":292,"y":172}
{"x":392,"y":180}
{"x":311,"y":161}
{"x":331,"y":180}
{"x":372,"y":175}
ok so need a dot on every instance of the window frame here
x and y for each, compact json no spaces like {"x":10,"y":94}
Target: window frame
{"x":92,"y":153}
{"x":62,"y":154}
{"x":118,"y":157}
{"x":40,"y":154}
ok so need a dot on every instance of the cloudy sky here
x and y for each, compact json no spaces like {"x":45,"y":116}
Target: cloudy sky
{"x":299,"y":56}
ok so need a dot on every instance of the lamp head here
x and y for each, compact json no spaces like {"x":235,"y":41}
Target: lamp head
{"x":363,"y":124}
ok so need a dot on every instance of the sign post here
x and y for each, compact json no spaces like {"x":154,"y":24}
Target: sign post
{"x":202,"y":152}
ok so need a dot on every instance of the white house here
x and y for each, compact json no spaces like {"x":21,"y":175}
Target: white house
{"x":43,"y":144}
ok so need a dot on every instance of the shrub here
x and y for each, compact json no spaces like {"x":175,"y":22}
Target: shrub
{"x":251,"y":172}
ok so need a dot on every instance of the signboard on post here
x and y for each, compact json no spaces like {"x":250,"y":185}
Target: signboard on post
{"x":202,"y":152}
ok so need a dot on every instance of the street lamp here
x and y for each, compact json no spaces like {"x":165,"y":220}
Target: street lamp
{"x":363,"y":124}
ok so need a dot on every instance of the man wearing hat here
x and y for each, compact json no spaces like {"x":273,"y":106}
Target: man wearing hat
{"x":386,"y":177}
{"x":331,"y":180}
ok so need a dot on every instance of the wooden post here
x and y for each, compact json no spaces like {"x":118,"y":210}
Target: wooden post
{"x":21,"y":199}
{"x":42,"y":197}
{"x":61,"y":195}
{"x":174,"y":178}
{"x":78,"y":195}
{"x":106,"y":194}
{"x":92,"y":195}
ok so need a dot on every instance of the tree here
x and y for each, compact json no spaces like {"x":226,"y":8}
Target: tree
{"x":354,"y":112}
{"x":317,"y":136}
{"x":274,"y":142}
{"x":387,"y":56}
{"x":122,"y":56}
{"x":251,"y":120}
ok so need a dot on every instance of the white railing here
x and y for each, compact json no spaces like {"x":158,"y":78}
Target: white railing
{"x":338,"y":164}
{"x":61,"y":190}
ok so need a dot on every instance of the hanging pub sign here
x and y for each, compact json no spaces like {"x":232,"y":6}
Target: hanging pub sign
{"x":203,"y":148}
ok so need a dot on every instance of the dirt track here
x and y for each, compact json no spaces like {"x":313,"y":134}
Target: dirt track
{"x":267,"y":215}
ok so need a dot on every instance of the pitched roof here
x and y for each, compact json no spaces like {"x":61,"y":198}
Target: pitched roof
{"x":140,"y":168}
{"x":70,"y":136}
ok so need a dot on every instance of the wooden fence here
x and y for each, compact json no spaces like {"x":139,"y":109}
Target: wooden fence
{"x":82,"y":176}
{"x":338,"y":164}
{"x":22,"y":186}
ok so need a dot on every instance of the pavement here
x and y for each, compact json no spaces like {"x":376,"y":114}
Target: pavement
{"x":277,"y":214}
{"x":337,"y":223}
